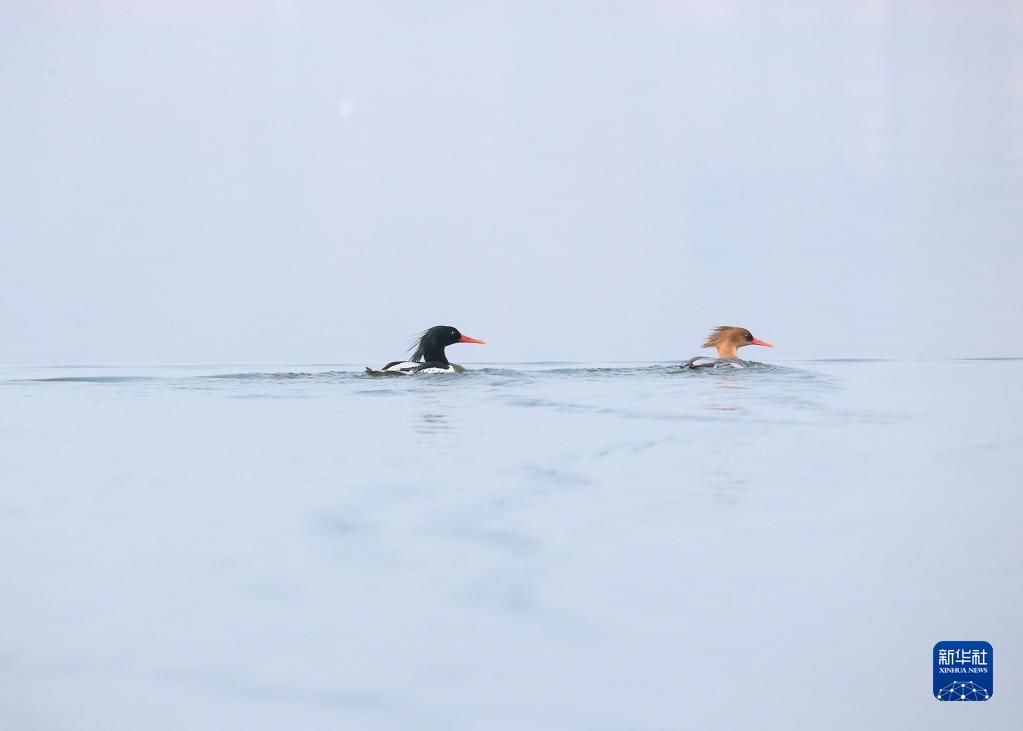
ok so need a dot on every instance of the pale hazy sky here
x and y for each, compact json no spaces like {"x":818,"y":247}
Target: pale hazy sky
{"x":317,"y":181}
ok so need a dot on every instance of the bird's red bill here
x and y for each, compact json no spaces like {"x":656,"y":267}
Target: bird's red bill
{"x":758,"y":341}
{"x":467,"y":339}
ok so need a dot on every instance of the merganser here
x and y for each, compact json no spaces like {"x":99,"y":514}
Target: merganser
{"x":727,"y":339}
{"x":428,"y":353}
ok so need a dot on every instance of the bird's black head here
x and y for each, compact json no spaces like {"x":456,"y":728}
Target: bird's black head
{"x":431,"y":344}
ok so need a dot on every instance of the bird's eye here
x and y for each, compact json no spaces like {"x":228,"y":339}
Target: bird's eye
{"x":749,"y":336}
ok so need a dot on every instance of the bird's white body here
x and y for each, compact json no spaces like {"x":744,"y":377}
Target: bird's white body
{"x":702,"y":361}
{"x":414,"y":368}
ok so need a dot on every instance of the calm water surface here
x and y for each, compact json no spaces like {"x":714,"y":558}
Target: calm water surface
{"x":525,"y":546}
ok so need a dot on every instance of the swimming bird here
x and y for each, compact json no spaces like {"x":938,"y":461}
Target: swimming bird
{"x":727,"y":339}
{"x":428,"y":353}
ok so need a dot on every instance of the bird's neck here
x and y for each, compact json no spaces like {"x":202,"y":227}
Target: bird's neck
{"x":434,"y":354}
{"x":727,"y":350}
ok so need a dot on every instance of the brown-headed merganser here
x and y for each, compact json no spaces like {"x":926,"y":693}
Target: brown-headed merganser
{"x":727,"y":339}
{"x":428,"y":353}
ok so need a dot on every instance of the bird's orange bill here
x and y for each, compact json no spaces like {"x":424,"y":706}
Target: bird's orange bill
{"x":467,"y":339}
{"x":756,"y":341}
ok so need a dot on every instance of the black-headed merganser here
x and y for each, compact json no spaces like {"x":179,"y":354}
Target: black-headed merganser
{"x":428,"y":353}
{"x":727,"y":339}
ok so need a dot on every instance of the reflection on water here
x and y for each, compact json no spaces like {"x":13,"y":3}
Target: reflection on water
{"x":725,"y":408}
{"x":433,"y":424}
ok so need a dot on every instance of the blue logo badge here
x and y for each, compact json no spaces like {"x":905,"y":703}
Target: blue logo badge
{"x":964,"y":671}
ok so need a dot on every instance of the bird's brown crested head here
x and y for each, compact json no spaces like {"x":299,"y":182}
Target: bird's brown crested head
{"x":729,"y":338}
